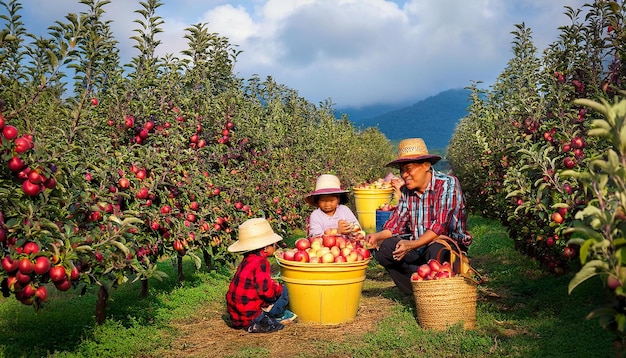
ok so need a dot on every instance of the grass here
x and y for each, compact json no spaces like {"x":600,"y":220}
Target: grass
{"x":521,"y":312}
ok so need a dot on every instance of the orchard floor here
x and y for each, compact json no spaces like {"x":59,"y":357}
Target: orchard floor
{"x":207,"y":334}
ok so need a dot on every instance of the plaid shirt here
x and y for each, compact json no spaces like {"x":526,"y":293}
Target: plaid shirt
{"x":251,"y":289}
{"x":441,"y":209}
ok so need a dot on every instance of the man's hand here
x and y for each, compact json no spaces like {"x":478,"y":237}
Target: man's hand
{"x":372,"y":241}
{"x":402,"y":248}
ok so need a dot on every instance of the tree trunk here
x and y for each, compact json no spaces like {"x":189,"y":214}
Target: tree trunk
{"x":101,"y":305}
{"x":181,"y":277}
{"x":208,"y":260}
{"x":144,"y":288}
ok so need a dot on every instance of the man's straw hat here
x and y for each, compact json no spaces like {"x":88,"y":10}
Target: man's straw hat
{"x":413,"y":150}
{"x":254,"y":234}
{"x":327,"y":184}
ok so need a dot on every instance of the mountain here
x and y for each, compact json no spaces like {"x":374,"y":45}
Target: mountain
{"x":433,"y":119}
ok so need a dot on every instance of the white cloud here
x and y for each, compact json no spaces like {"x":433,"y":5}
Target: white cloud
{"x":356,"y":52}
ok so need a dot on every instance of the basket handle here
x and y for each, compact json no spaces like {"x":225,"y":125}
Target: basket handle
{"x":464,"y":268}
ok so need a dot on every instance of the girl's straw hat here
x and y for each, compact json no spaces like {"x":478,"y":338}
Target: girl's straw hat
{"x":327,"y":184}
{"x":254,"y":234}
{"x":413,"y":150}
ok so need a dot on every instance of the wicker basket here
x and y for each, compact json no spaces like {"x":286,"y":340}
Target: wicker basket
{"x":444,"y":302}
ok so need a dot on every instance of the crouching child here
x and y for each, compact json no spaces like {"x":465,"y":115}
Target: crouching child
{"x":255,"y":302}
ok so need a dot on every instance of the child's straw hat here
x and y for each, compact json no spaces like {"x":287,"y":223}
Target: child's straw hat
{"x":254,"y":234}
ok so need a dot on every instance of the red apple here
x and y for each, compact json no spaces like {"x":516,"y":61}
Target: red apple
{"x":63,"y":285}
{"x":8,"y":264}
{"x":16,"y":164}
{"x":141,"y":174}
{"x":30,"y":248}
{"x":143,"y":193}
{"x":423,"y":270}
{"x":556,"y":217}
{"x":365,"y":253}
{"x":178,"y":245}
{"x":340,"y":259}
{"x":303,"y":243}
{"x":57,"y":273}
{"x":94,"y":101}
{"x":22,"y":145}
{"x":35,"y":177}
{"x":74,"y":273}
{"x":569,"y":252}
{"x":165,"y":209}
{"x":9,"y":132}
{"x":50,"y":183}
{"x":123,"y":183}
{"x":289,"y":254}
{"x":28,"y":291}
{"x":301,"y":256}
{"x":25,"y":266}
{"x":42,"y":265}
{"x":30,"y":188}
{"x":415,"y":277}
{"x":446,"y":266}
{"x":578,"y":142}
{"x":22,"y":277}
{"x":41,"y":293}
{"x":434,"y":265}
{"x":569,"y":163}
{"x":329,"y":240}
{"x":612,"y":282}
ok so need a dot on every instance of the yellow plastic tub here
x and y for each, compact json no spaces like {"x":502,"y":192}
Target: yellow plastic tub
{"x":367,"y":201}
{"x":324,"y":293}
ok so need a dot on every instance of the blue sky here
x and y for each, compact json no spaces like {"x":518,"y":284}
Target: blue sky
{"x":353,"y":52}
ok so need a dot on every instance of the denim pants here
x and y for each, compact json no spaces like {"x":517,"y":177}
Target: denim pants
{"x":277,"y":309}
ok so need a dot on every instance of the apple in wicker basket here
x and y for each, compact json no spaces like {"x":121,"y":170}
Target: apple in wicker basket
{"x":433,"y":270}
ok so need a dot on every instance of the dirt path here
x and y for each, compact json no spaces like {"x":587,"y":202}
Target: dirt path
{"x":207,"y":334}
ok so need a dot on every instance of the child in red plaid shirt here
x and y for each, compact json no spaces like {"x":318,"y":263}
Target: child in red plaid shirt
{"x":255,"y":301}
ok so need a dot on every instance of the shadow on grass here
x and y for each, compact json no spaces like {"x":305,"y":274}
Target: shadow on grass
{"x":68,"y":318}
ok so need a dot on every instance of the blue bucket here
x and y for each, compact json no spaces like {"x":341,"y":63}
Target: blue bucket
{"x":381,"y":218}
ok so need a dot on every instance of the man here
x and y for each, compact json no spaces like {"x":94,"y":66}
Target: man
{"x":431,"y":205}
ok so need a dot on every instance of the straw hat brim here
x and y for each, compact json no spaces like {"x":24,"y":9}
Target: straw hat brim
{"x":433,"y":159}
{"x":310,"y":199}
{"x":239,"y":246}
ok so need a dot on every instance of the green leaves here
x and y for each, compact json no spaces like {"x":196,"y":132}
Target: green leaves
{"x":590,"y":269}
